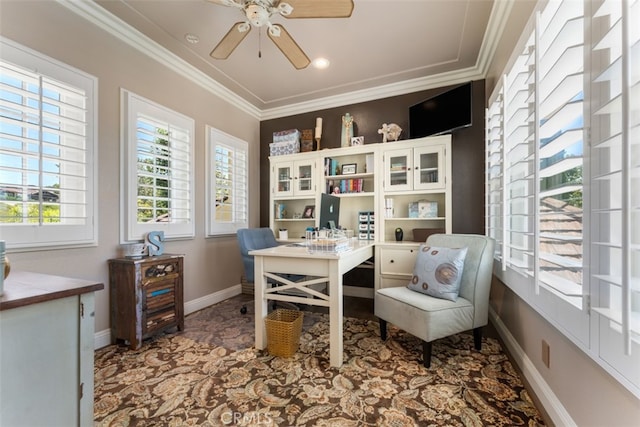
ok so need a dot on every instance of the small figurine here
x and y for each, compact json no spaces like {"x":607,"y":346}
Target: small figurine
{"x":390,"y":132}
{"x":347,"y":130}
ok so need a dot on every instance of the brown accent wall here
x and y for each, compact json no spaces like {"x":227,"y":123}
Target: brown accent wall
{"x":467,"y":145}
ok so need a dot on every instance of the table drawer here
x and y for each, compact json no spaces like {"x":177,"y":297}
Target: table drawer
{"x":397,"y":261}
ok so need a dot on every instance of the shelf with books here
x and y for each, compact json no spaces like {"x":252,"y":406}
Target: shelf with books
{"x":348,"y":184}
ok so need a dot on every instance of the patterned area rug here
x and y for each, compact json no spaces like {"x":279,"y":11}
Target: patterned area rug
{"x":209,"y":375}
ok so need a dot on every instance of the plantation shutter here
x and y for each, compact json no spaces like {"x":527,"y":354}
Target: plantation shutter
{"x":560,"y":113}
{"x":158,"y":148}
{"x":495,"y":176}
{"x":46,"y":157}
{"x":519,"y":162}
{"x":228,"y":208}
{"x":163,"y":172}
{"x":615,"y":134}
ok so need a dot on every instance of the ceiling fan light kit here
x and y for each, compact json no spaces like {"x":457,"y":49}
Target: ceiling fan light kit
{"x":259,"y":13}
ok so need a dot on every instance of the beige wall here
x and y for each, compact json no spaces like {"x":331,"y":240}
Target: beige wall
{"x":210,"y":264}
{"x":587,"y":392}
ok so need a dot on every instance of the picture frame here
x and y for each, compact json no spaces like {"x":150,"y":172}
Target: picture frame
{"x":349,"y":169}
{"x":308,"y":211}
{"x":357,"y":140}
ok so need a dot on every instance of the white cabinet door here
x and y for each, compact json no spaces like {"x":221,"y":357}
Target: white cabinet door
{"x":428,"y":168}
{"x":39,"y":361}
{"x":398,"y":167}
{"x":419,"y":168}
{"x":294,"y":178}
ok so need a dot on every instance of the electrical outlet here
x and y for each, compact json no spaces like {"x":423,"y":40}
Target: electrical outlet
{"x":545,"y":353}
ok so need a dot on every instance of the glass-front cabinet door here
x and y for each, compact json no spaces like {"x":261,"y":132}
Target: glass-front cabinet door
{"x":283,"y":179}
{"x":428,"y":168}
{"x":303,"y":178}
{"x":397,"y":170}
{"x":420,"y":168}
{"x":294,"y":178}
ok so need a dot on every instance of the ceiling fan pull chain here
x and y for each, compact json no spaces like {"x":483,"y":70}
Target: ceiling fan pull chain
{"x":259,"y":43}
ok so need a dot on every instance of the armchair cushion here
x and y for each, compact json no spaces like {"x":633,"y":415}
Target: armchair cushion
{"x":438,"y":271}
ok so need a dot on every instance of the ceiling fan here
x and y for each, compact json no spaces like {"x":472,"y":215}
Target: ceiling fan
{"x":259,"y":13}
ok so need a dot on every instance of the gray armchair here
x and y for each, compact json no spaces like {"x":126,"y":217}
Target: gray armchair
{"x":430,"y":318}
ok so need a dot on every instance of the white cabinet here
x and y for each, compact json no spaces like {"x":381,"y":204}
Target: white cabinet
{"x":294,"y":190}
{"x":416,"y":194}
{"x":394,"y":264}
{"x":418,"y":168}
{"x":46,"y":350}
{"x":405,"y":174}
{"x":294,"y":178}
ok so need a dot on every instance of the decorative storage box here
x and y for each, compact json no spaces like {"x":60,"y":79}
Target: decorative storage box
{"x":307,"y":140}
{"x":423,"y":209}
{"x":286,"y":147}
{"x":285,"y":142}
{"x":413,"y":210}
{"x":427,"y":209}
{"x":291,"y":135}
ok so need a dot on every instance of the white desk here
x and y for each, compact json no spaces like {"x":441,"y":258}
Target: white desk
{"x":325,"y":267}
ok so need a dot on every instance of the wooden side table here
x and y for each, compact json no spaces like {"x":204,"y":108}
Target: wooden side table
{"x":146,"y":297}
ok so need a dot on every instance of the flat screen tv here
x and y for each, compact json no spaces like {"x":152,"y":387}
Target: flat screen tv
{"x":441,"y":114}
{"x":329,"y":211}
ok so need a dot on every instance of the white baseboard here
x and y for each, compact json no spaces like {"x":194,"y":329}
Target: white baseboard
{"x":103,"y":338}
{"x":552,"y":405}
{"x":208,"y":300}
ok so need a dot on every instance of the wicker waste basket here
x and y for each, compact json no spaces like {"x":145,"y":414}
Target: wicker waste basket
{"x":284,"y":328}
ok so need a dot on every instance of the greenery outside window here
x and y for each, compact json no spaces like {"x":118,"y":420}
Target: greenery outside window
{"x":158,"y":165}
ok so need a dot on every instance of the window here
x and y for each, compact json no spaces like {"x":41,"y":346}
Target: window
{"x":47,"y":151}
{"x":615,"y":183}
{"x":227,"y":183}
{"x":565,"y":213}
{"x":158,"y":163}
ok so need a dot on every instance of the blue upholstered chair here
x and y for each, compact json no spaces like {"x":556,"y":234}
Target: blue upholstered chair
{"x":251,"y":239}
{"x":430,"y":318}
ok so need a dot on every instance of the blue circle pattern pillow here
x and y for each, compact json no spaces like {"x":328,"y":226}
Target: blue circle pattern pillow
{"x":438,"y":271}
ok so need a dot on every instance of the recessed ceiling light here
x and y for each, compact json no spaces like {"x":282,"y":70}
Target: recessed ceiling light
{"x":191,"y":38}
{"x":321,"y":63}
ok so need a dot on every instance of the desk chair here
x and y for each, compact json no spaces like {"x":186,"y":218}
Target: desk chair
{"x":251,"y":239}
{"x":430,"y":318}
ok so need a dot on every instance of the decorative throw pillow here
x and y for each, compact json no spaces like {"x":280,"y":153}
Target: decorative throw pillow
{"x":438,"y":271}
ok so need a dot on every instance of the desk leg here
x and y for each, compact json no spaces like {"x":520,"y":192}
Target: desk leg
{"x":260,"y":284}
{"x":335,"y":315}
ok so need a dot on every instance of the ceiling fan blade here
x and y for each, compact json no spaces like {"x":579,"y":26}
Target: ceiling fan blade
{"x":320,"y":8}
{"x":230,"y":41}
{"x":290,"y":48}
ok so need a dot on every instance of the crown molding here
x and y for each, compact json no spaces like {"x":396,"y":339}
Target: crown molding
{"x":129,"y":35}
{"x":105,"y":20}
{"x":495,"y":28}
{"x":379,"y":92}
